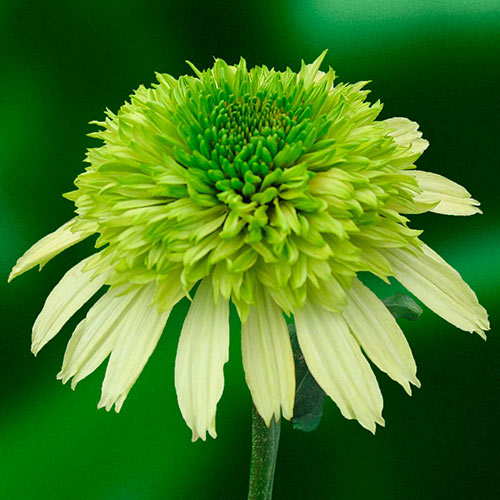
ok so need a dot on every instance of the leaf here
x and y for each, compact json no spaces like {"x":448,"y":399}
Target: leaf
{"x":309,"y":397}
{"x":402,"y":306}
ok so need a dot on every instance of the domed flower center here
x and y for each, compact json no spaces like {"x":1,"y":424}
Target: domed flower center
{"x":240,"y":145}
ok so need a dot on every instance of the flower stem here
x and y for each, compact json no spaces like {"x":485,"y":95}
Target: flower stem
{"x":265,"y":442}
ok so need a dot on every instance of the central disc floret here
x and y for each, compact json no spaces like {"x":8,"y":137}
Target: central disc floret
{"x":239,"y":146}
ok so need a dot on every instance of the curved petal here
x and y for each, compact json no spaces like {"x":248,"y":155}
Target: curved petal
{"x":49,"y":246}
{"x":451,"y":198}
{"x":201,"y":354}
{"x":426,"y":275}
{"x":406,"y":133}
{"x":139,"y":330}
{"x":335,"y":360}
{"x":379,"y":335}
{"x":94,"y":337}
{"x":72,"y":292}
{"x":268,"y":358}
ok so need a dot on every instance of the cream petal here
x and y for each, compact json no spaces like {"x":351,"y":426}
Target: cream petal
{"x":49,"y":246}
{"x":335,"y":360}
{"x":94,"y":337}
{"x":406,"y":134}
{"x":451,"y":198}
{"x":379,"y":335}
{"x":268,"y":358}
{"x":439,"y":286}
{"x":75,"y":288}
{"x":201,"y":354}
{"x":139,"y":330}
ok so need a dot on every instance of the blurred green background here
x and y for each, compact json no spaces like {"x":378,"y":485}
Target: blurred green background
{"x":62,"y":64}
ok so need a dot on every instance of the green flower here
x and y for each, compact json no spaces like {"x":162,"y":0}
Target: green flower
{"x":269,"y":189}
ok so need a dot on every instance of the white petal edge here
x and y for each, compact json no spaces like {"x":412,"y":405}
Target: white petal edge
{"x":268,"y":358}
{"x":68,"y":296}
{"x":336,"y":362}
{"x":439,"y":286}
{"x":139,"y":330}
{"x":406,"y":134}
{"x":379,"y":335}
{"x":202,"y":351}
{"x":451,"y":198}
{"x":49,"y":246}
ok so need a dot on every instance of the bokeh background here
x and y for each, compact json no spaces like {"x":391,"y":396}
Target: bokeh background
{"x":61,"y":65}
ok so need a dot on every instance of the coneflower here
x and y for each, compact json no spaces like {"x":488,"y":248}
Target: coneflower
{"x":271,"y":190}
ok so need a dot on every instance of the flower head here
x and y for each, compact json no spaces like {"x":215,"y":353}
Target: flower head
{"x":269,"y":189}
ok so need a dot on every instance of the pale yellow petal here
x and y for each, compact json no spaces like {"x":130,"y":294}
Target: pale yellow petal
{"x":406,"y":134}
{"x":201,"y":354}
{"x":336,"y":362}
{"x":139,"y":330}
{"x":94,"y":337}
{"x":451,"y":198}
{"x":268,"y":358}
{"x":72,"y":292}
{"x":49,"y":246}
{"x":379,"y":335}
{"x":439,"y":287}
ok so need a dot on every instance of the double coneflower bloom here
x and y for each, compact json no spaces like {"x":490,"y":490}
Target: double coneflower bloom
{"x":269,"y":189}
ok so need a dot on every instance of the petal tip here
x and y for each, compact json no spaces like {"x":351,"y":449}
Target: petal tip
{"x":482,"y":334}
{"x":63,"y":377}
{"x":195,"y":436}
{"x":407,"y":388}
{"x":103,"y":404}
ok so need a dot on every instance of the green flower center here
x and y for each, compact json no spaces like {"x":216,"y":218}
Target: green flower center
{"x":240,"y":145}
{"x":253,"y":177}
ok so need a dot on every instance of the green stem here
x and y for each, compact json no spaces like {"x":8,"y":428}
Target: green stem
{"x":265,"y":442}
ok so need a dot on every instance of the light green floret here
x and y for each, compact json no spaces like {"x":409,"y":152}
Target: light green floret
{"x":250,"y":176}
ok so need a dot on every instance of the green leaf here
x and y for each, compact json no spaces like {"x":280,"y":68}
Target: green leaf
{"x":402,"y":306}
{"x":309,"y":397}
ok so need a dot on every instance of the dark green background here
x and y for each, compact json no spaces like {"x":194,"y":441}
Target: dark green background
{"x":61,"y":65}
